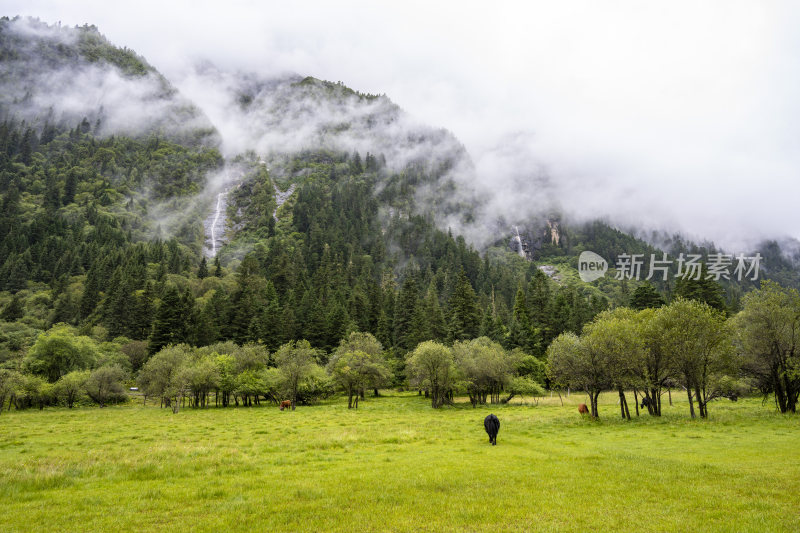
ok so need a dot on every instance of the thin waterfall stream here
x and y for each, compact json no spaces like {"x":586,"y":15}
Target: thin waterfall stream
{"x":217,"y":226}
{"x":214,"y":224}
{"x":520,"y":250}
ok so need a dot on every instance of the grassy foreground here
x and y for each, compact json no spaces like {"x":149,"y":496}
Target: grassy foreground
{"x":397,"y":465}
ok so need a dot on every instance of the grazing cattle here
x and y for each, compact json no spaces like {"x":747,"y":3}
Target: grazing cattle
{"x":646,"y":402}
{"x":492,"y":425}
{"x":286,"y":404}
{"x":582,"y":409}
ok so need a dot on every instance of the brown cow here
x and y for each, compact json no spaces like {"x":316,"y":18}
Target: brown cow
{"x":582,"y":409}
{"x":286,"y":404}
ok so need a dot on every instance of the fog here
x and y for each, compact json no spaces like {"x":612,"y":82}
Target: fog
{"x":678,"y":116}
{"x":38,"y":86}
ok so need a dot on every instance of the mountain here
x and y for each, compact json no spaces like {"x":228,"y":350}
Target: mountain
{"x":279,"y":116}
{"x":340,"y":212}
{"x":61,"y":75}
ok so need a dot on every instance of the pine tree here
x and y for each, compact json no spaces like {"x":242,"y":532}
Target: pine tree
{"x":404,"y":309}
{"x":356,"y":167}
{"x":70,"y":187}
{"x":202,"y":270}
{"x":646,"y":296}
{"x":168,"y":324}
{"x":270,"y":324}
{"x":491,"y":326}
{"x":26,"y":146}
{"x":702,"y":290}
{"x":118,"y":307}
{"x":52,"y":196}
{"x":420,"y":328}
{"x":521,"y":333}
{"x":337,"y":324}
{"x":142,"y":313}
{"x":289,"y":326}
{"x":465,"y":317}
{"x":18,"y":273}
{"x":91,"y":292}
{"x":14,"y":310}
{"x":315,"y":326}
{"x":539,"y":299}
{"x":434,"y":317}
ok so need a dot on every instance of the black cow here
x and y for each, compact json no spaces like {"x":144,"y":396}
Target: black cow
{"x":492,"y":425}
{"x":645,"y":402}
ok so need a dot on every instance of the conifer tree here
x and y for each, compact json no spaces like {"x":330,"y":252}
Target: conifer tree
{"x":14,"y":310}
{"x":168,"y":324}
{"x":646,"y":296}
{"x":91,"y":292}
{"x":702,"y":290}
{"x":202,"y":270}
{"x":404,"y":308}
{"x":521,"y":333}
{"x":465,"y":317}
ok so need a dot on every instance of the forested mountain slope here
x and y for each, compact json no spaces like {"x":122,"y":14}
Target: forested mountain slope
{"x":102,"y":215}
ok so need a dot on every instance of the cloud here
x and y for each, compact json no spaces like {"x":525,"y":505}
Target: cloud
{"x":47,"y":80}
{"x":678,"y":115}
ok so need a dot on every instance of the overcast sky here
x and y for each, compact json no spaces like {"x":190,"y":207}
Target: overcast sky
{"x":681,"y":115}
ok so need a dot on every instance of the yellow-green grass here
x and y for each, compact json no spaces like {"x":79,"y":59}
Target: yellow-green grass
{"x":395,"y":464}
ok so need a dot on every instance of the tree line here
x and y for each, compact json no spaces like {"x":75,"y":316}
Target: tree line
{"x":65,"y":368}
{"x":686,"y":345}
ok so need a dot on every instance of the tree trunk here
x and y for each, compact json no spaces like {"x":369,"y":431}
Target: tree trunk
{"x":789,"y":392}
{"x":691,"y":403}
{"x":636,"y":401}
{"x":780,"y":396}
{"x":621,"y":402}
{"x":700,"y":405}
{"x":669,"y":392}
{"x":626,"y":413}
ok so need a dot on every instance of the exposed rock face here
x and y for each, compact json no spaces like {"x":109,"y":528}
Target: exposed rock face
{"x":280,"y":198}
{"x":519,"y":245}
{"x":527,"y":242}
{"x":550,"y":271}
{"x":555,"y":236}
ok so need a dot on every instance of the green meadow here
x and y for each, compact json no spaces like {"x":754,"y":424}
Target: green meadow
{"x":395,"y":464}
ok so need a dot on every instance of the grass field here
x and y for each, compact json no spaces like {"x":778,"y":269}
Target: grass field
{"x":397,"y":465}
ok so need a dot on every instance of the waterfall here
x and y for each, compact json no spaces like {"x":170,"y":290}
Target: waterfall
{"x":215,"y":225}
{"x":520,"y":251}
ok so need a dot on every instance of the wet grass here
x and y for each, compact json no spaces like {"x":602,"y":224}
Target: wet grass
{"x":397,"y":465}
